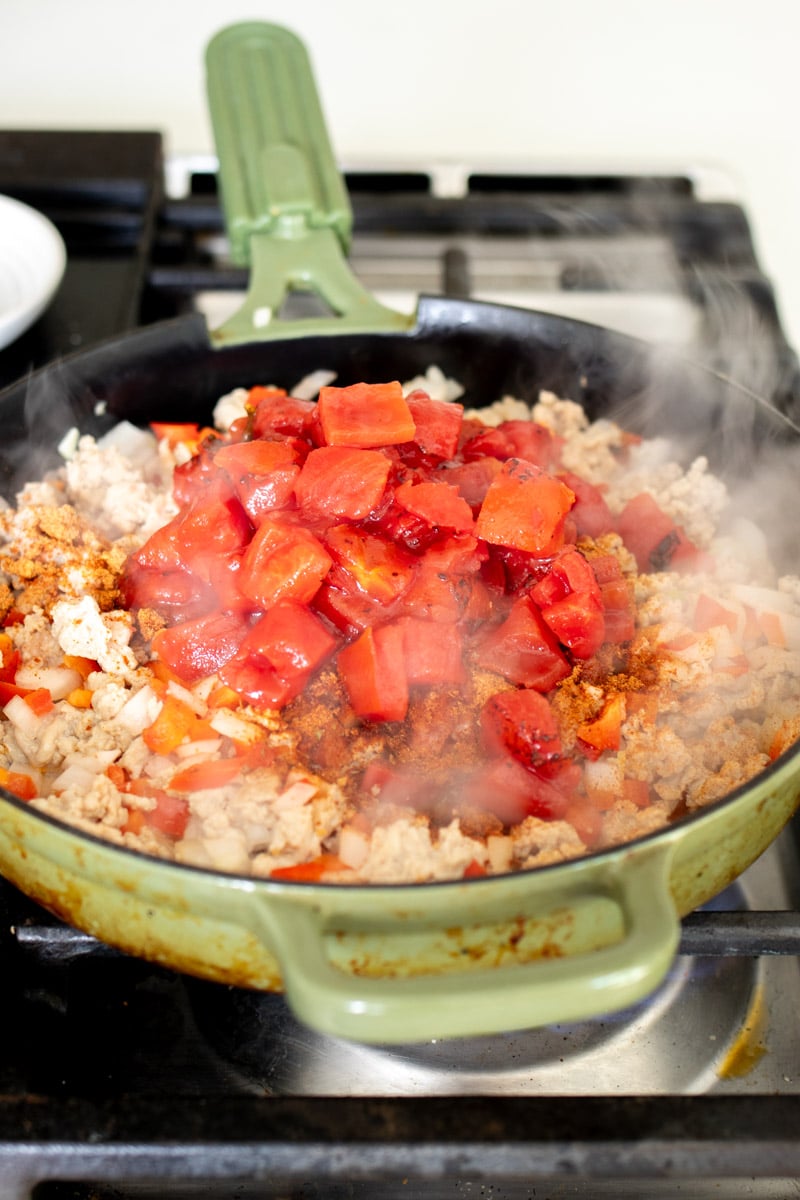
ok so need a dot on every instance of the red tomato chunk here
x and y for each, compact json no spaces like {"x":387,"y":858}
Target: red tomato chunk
{"x":410,"y":555}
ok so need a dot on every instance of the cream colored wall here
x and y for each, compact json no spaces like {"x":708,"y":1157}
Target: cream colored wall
{"x":612,"y":81}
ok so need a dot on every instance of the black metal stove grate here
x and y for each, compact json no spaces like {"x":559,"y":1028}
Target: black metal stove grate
{"x":105,"y":1088}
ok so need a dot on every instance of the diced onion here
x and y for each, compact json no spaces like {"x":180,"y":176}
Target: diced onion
{"x":140,"y":711}
{"x":138,"y":446}
{"x":296,"y":795}
{"x":75,"y":775}
{"x":763,"y":599}
{"x":236,"y":728}
{"x":59,"y":681}
{"x":353,"y":847}
{"x":22,"y":717}
{"x":501,"y":852}
{"x":309,"y":386}
{"x":188,"y":697}
{"x":201,"y":749}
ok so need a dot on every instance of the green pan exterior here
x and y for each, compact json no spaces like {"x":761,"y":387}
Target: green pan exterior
{"x":403,"y":963}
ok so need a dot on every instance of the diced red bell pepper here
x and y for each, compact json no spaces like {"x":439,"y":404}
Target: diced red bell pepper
{"x":527,"y":440}
{"x":284,"y":560}
{"x":432,"y":655}
{"x":372,"y":669}
{"x":523,"y":649}
{"x":197,"y":648}
{"x":437,"y":424}
{"x":341,"y":482}
{"x":525,"y":509}
{"x":438,"y":504}
{"x":19,"y":784}
{"x":521,"y":723}
{"x":365,"y":415}
{"x":9,"y":659}
{"x":605,"y":731}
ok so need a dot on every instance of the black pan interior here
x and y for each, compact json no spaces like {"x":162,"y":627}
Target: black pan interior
{"x":171,"y":371}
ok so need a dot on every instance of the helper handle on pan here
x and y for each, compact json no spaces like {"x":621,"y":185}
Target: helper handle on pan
{"x":286,"y":207}
{"x":494,"y":999}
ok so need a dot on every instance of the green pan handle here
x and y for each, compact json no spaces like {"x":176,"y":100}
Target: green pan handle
{"x":490,"y":1000}
{"x":286,"y":207}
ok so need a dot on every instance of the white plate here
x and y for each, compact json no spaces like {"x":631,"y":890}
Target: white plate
{"x":32,"y":262}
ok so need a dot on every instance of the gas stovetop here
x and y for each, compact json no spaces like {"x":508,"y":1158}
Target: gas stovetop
{"x":121,"y":1079}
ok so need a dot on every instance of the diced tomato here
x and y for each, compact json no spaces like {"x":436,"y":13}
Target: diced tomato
{"x":349,"y":609}
{"x":365,"y":415}
{"x":435,"y":595}
{"x":525,"y":509}
{"x":276,"y":413}
{"x":521,"y":723}
{"x":432,"y":655}
{"x":620,"y":625}
{"x":571,"y":604}
{"x":511,"y":792}
{"x":170,"y":815}
{"x":653,"y":537}
{"x":291,"y":638}
{"x":278,"y":656}
{"x":214,"y":525}
{"x":172,"y":593}
{"x":403,"y":786}
{"x":380,"y":569}
{"x":591,"y":513}
{"x":198,"y":648}
{"x":637,"y":791}
{"x":568,"y":574}
{"x":342,"y":483}
{"x":262,"y":473}
{"x":437,"y":424}
{"x":372,"y":669}
{"x":438,"y":504}
{"x":578,"y":623}
{"x":605,"y":731}
{"x":283,"y":561}
{"x":585,"y":818}
{"x":473,"y":478}
{"x":523,"y":649}
{"x":527,"y":440}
